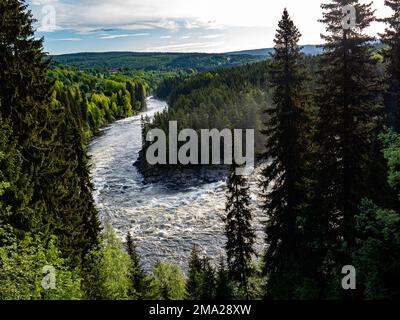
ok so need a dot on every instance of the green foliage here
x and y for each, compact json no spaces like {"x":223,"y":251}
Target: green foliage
{"x":21,"y":264}
{"x":283,"y":176}
{"x":392,"y":156}
{"x":112,"y":61}
{"x":228,"y":98}
{"x":45,"y":184}
{"x":194,"y":282}
{"x":223,"y":290}
{"x":137,"y":274}
{"x":238,"y":230}
{"x":98,"y":100}
{"x":378,"y":235}
{"x":377,"y":258}
{"x":110,"y":267}
{"x":15,"y":186}
{"x":167,"y":282}
{"x":391,"y":54}
{"x":207,"y":280}
{"x":348,"y":164}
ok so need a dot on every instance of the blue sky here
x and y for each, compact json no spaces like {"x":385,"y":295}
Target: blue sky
{"x":172,"y":25}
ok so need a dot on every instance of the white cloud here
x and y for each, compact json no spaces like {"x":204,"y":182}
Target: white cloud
{"x":241,"y":25}
{"x":115,"y":36}
{"x":211,"y":36}
{"x":139,"y":34}
{"x":134,"y":27}
{"x":184,"y":47}
{"x":82,"y":15}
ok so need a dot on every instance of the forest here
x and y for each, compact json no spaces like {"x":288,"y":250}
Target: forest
{"x":97,"y":101}
{"x":327,"y":136}
{"x":154,"y":61}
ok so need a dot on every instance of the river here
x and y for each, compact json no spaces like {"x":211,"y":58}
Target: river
{"x":165,"y":222}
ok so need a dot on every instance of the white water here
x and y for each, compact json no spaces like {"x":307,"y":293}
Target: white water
{"x":165,"y":222}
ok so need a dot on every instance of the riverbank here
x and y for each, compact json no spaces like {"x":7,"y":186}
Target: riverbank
{"x":164,"y":220}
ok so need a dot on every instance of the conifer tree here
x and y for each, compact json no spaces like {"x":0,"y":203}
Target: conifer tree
{"x":138,"y":275}
{"x":391,"y":37}
{"x":15,"y":187}
{"x":223,"y":289}
{"x":208,"y":280}
{"x":194,"y":283}
{"x":238,"y":230}
{"x":283,"y":175}
{"x":350,"y":116}
{"x":24,"y":100}
{"x":50,"y":140}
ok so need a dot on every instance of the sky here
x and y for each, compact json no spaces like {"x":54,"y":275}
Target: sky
{"x":70,"y":26}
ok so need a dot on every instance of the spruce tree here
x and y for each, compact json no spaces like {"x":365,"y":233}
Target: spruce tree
{"x":138,"y":275}
{"x":283,"y":176}
{"x":238,"y":230}
{"x":15,"y":187}
{"x":194,"y":283}
{"x":57,"y":199}
{"x":391,"y":38}
{"x":350,"y":115}
{"x":24,"y":100}
{"x":223,"y":289}
{"x":208,"y":280}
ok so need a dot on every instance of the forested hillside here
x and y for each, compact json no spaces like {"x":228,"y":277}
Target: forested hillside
{"x":154,"y":61}
{"x":98,"y":100}
{"x":228,"y":98}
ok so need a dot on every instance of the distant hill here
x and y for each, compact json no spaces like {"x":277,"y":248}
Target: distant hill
{"x":307,"y":49}
{"x":155,"y":61}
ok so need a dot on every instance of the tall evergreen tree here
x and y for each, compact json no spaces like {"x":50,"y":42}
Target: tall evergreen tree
{"x":223,"y":289}
{"x":238,"y":230}
{"x":138,"y":275}
{"x":391,"y":37}
{"x":24,"y":100}
{"x":57,"y":199}
{"x":350,"y":116}
{"x":194,"y":283}
{"x":283,"y":176}
{"x":208,"y":280}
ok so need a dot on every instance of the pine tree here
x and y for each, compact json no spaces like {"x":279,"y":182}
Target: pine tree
{"x":138,"y":275}
{"x":194,"y":283}
{"x":391,"y":38}
{"x":238,"y":230}
{"x":283,"y":175}
{"x":349,"y":118}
